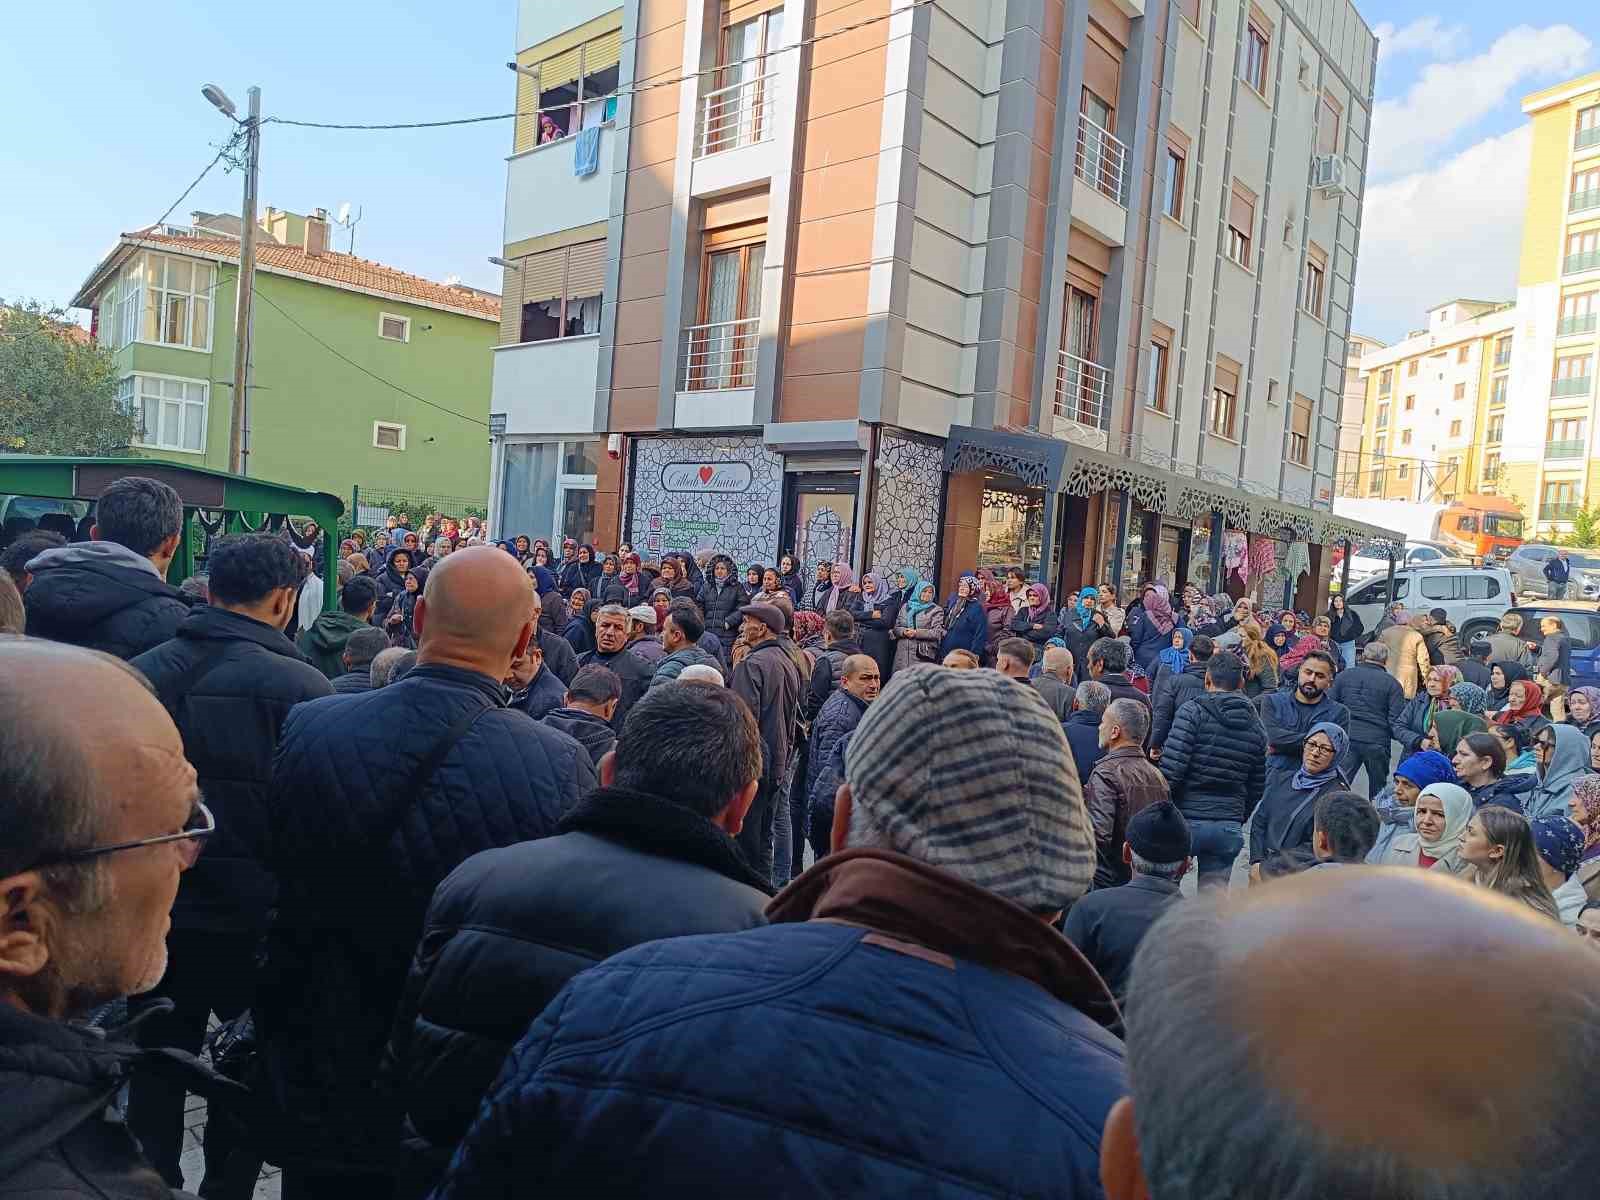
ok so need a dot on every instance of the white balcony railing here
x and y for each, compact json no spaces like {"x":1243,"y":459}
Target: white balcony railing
{"x":1102,"y":161}
{"x":1082,"y":390}
{"x":737,"y":115}
{"x":720,"y":356}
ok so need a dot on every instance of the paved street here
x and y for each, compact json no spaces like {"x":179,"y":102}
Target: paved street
{"x":268,"y":1187}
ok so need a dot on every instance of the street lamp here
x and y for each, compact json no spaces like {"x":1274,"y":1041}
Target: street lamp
{"x":497,"y":261}
{"x":219,"y":99}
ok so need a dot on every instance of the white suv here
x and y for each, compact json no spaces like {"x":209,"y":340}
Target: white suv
{"x":1474,"y":597}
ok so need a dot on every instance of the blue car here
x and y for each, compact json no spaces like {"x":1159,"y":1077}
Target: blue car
{"x":1582,"y":622}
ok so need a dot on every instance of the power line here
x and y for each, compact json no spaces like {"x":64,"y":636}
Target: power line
{"x":633,"y":89}
{"x":226,"y":146}
{"x":388,"y":383}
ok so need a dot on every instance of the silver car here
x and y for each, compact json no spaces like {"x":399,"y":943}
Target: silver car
{"x":1527,"y":562}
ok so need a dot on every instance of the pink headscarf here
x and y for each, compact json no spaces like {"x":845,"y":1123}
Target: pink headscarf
{"x":1044,"y":600}
{"x":1158,"y":608}
{"x":843,"y":579}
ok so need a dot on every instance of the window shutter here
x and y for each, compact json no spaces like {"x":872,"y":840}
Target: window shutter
{"x":560,"y":69}
{"x":1227,"y":375}
{"x":586,"y":269}
{"x":527,"y":120}
{"x":542,"y":275}
{"x":1242,"y":211}
{"x":1302,"y":416}
{"x":1318,"y":256}
{"x":511,"y":306}
{"x":604,"y":52}
{"x":1101,"y":68}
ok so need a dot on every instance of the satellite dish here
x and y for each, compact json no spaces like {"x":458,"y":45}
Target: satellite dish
{"x":344,"y":213}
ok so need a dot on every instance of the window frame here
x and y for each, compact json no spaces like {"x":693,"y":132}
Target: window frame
{"x":1314,"y":294}
{"x":1256,"y":62}
{"x":184,"y":401}
{"x":1173,"y":183}
{"x":574,"y":126}
{"x":377,"y":445}
{"x":1299,"y":448}
{"x":147,"y":300}
{"x":566,"y":298}
{"x":1455,"y":428}
{"x":1158,"y":356}
{"x":389,"y":316}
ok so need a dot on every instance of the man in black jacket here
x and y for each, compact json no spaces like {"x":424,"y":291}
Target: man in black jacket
{"x":1375,"y":700}
{"x":649,"y":855}
{"x":1214,"y":763}
{"x":559,"y":657}
{"x":380,"y":796}
{"x":1444,"y":649}
{"x":102,"y":815}
{"x":111,"y":592}
{"x":1082,"y":728}
{"x":1288,"y":716}
{"x":1108,"y":664}
{"x":838,"y":643}
{"x":1171,"y":691}
{"x":769,"y":682}
{"x":364,"y":646}
{"x":586,"y":711}
{"x":830,"y":737}
{"x":229,"y":679}
{"x":611,"y":651}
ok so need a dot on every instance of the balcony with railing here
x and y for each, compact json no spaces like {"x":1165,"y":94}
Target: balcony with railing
{"x":1586,"y":138}
{"x":717,"y":374}
{"x":1584,"y":200}
{"x":734,"y":116}
{"x":1083,"y":391}
{"x":1569,"y":326}
{"x":1502,"y":358}
{"x":1572,"y":385}
{"x":1100,"y":161}
{"x":1569,"y":448}
{"x":1588,"y":260}
{"x":1559,"y":512}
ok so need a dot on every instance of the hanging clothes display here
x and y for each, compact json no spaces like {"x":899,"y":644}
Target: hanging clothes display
{"x":1263,"y":555}
{"x":1297,"y":561}
{"x":1235,"y":555}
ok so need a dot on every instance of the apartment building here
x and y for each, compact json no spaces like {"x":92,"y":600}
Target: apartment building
{"x":1352,"y":414}
{"x":1434,"y":425}
{"x":1554,"y":468}
{"x":935,"y":283}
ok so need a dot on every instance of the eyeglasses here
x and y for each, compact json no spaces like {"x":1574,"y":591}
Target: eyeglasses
{"x":1545,"y":744}
{"x":200,"y":825}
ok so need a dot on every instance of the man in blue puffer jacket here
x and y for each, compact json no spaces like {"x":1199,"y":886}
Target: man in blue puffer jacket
{"x":909,"y":1025}
{"x":378,"y":797}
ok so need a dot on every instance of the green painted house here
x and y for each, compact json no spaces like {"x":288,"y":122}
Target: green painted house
{"x":360,"y":373}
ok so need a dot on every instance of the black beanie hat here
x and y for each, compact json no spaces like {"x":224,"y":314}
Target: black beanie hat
{"x":1159,"y":834}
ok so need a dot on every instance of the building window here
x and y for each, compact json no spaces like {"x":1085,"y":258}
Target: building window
{"x":1455,"y":429}
{"x":394,"y":329}
{"x":1463,"y":353}
{"x":1300,"y":432}
{"x":1583,"y":252}
{"x":1156,"y":376}
{"x":1502,"y":352}
{"x":1404,"y":471}
{"x":569,"y":91}
{"x":1572,"y":375}
{"x":1558,"y":500}
{"x":736,"y":111}
{"x":547,"y":489}
{"x":165,"y":301}
{"x":1316,"y":281}
{"x":1382,"y":447}
{"x":1588,"y":131}
{"x":1411,"y":369}
{"x":1241,"y":224}
{"x":1497,"y":391}
{"x":1461,"y":391}
{"x":1386,"y":381}
{"x":1257,"y":51}
{"x":1405,"y":437}
{"x":1224,"y":399}
{"x":1497,"y":430}
{"x":1329,"y":118}
{"x":1172,"y":194}
{"x":1491,"y":467}
{"x":1383,"y":416}
{"x":1272,"y":393}
{"x":171,"y":412}
{"x":1411,"y":403}
{"x":1577,"y":314}
{"x":1585,"y":189}
{"x":721,"y":349}
{"x":388,"y":436}
{"x":554,"y":294}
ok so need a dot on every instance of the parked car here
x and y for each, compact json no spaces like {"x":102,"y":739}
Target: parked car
{"x":1416,"y":554}
{"x":1526,"y":564}
{"x":1474,"y":597}
{"x":1583,"y":627}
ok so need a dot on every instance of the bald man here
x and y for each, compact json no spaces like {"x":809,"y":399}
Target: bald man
{"x":380,"y":796}
{"x":101,"y":814}
{"x":1256,"y":1047}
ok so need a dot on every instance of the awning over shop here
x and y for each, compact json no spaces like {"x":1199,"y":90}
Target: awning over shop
{"x":1076,"y":470}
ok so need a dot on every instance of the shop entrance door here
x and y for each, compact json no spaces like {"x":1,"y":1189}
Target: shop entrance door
{"x":819,"y":521}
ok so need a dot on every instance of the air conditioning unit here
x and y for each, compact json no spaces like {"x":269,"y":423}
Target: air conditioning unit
{"x":1327,"y":173}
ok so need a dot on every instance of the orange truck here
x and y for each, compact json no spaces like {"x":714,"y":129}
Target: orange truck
{"x":1484,"y":528}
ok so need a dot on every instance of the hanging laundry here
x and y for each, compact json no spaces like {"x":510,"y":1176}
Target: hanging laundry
{"x":1263,"y":555}
{"x":1297,"y":561}
{"x":1235,"y":555}
{"x":586,"y":154}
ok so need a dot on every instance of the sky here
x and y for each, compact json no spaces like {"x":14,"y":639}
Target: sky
{"x":104,"y":127}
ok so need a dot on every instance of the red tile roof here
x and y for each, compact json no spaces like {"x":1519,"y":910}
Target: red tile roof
{"x":340,"y":270}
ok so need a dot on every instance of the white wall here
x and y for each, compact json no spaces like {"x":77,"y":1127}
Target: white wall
{"x":540,"y":20}
{"x":547,"y":387}
{"x":543,"y":195}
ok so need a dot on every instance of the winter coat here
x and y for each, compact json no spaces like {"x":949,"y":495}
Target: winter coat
{"x":511,"y":926}
{"x":1558,"y":570}
{"x":229,"y":682}
{"x":358,"y":849}
{"x":101,"y":596}
{"x":1408,"y":657}
{"x":919,"y":644}
{"x":544,"y":694}
{"x":1555,"y":658}
{"x":875,"y":633}
{"x":825,"y":676}
{"x":1170,"y":695}
{"x":671,"y":665}
{"x":1412,"y":726}
{"x":832,"y":728}
{"x":1285,"y":818}
{"x":1265,"y":680}
{"x":721,"y":602}
{"x":60,"y":1136}
{"x":967,"y":629}
{"x":589,"y":731}
{"x":631,"y":669}
{"x":1147,"y":642}
{"x":1375,"y":700}
{"x":769,"y":682}
{"x":1083,"y":735}
{"x":1347,"y":628}
{"x":649,"y":650}
{"x":1287,"y":722}
{"x":559,"y":657}
{"x":323,"y":644}
{"x":570,"y":576}
{"x":1058,"y":695}
{"x":1506,"y":647}
{"x":909,"y":1046}
{"x":1443,"y":647}
{"x":1122,"y":784}
{"x":1509,"y":791}
{"x":351,"y":682}
{"x":1036,"y":631}
{"x":1214,"y":757}
{"x":579,"y":635}
{"x":1107,"y":925}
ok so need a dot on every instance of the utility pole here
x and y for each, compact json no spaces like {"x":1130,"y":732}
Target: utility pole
{"x":244,"y":313}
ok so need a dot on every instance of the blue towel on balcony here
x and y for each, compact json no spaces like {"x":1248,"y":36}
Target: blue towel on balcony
{"x":586,"y":154}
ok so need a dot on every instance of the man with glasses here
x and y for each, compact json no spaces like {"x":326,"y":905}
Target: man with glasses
{"x":101,"y":814}
{"x":229,"y":679}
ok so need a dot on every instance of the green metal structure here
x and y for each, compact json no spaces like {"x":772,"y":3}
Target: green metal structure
{"x":214,"y":502}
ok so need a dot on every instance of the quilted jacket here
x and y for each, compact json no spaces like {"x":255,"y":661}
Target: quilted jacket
{"x":930,"y":1040}
{"x":1214,"y":758}
{"x":358,"y":853}
{"x":102,"y":596}
{"x":1375,"y":700}
{"x":835,"y":723}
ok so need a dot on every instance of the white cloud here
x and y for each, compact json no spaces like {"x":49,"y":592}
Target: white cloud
{"x":1449,"y":97}
{"x":1453,"y":230}
{"x":1425,"y":35}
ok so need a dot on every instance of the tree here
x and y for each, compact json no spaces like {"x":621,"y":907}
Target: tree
{"x":58,"y":390}
{"x":1585,"y":529}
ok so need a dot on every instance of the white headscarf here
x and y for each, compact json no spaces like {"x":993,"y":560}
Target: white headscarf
{"x":1458,"y":809}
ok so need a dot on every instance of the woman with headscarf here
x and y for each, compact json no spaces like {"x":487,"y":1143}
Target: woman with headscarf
{"x":1396,"y":804}
{"x":1498,"y":851}
{"x":1584,"y":809}
{"x":846,"y":593}
{"x":875,"y":622}
{"x":789,"y":573}
{"x":1442,"y":813}
{"x":1418,"y":712}
{"x":1083,"y":610}
{"x":1035,"y":620}
{"x":1284,"y":820}
{"x":579,"y":629}
{"x":1562,"y":754}
{"x":808,"y":631}
{"x":1501,"y":676}
{"x":1468,"y":697}
{"x":1303,"y":645}
{"x":920,"y":631}
{"x":1480,"y":763}
{"x":1559,"y":845}
{"x":672,"y":578}
{"x":1583,"y":709}
{"x":771,"y":587}
{"x":1447,"y":727}
{"x":359,"y":564}
{"x":1524,"y":706}
{"x":1154,"y":632}
{"x":630,"y":577}
{"x":1174,"y":659}
{"x":965,"y":627}
{"x":588,"y":569}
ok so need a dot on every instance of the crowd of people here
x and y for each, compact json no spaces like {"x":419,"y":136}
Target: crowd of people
{"x":524,"y":867}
